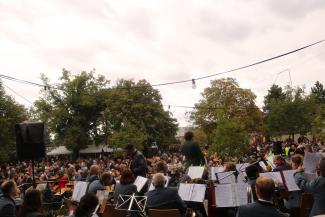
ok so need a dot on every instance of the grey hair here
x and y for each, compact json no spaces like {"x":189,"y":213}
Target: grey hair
{"x":158,"y":180}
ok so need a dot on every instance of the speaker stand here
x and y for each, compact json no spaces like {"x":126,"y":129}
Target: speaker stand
{"x":33,"y":172}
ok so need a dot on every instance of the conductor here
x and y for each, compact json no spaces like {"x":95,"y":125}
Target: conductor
{"x":192,"y":151}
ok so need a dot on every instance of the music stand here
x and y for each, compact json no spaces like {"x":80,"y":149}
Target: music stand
{"x":132,"y":203}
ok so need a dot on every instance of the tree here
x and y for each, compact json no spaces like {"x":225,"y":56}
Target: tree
{"x":230,"y":137}
{"x":317,"y":96}
{"x":136,"y":105}
{"x":225,"y":100}
{"x":290,"y":115}
{"x":11,"y":113}
{"x":71,"y":110}
{"x":275,"y":93}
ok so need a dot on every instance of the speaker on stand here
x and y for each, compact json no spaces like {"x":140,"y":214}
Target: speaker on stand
{"x":30,"y":142}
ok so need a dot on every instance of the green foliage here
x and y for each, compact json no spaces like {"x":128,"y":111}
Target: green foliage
{"x":275,"y":94}
{"x":230,"y":137}
{"x":225,"y":100}
{"x":11,"y":113}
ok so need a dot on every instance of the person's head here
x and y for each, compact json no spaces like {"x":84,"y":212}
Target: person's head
{"x":230,"y":167}
{"x":127,"y":177}
{"x":158,"y":180}
{"x":278,"y":160}
{"x":162,"y":167}
{"x":130,"y":149}
{"x":188,"y":136}
{"x":106,"y":179}
{"x":32,"y":202}
{"x":296,"y":161}
{"x":94,"y":170}
{"x":308,"y":148}
{"x":322,"y":167}
{"x":9,"y":189}
{"x":252,"y":172}
{"x":87,"y":205}
{"x":265,"y":188}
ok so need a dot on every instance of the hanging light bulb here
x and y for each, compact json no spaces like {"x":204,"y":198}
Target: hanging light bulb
{"x":193,"y":84}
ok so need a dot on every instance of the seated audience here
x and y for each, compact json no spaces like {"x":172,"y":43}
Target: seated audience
{"x":32,"y":205}
{"x":126,"y":186}
{"x":7,"y":203}
{"x":87,"y":206}
{"x":315,"y":187}
{"x":99,"y":185}
{"x":164,"y":197}
{"x":265,"y":190}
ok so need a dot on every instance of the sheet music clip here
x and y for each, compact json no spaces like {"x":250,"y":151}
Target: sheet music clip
{"x":132,"y":203}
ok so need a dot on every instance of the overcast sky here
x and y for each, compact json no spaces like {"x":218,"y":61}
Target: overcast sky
{"x":162,"y":41}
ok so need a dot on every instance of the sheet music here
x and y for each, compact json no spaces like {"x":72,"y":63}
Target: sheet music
{"x":195,"y":172}
{"x":276,"y":176}
{"x":140,"y":182}
{"x":270,"y":161}
{"x":290,"y":180}
{"x":226,"y":177}
{"x":224,"y":195}
{"x":79,"y":191}
{"x":241,"y":167}
{"x":167,"y":178}
{"x":185,"y":191}
{"x":215,"y":170}
{"x":262,"y":164}
{"x":311,"y":161}
{"x":198,"y":192}
{"x":241,"y":193}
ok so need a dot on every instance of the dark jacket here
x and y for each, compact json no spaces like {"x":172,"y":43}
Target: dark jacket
{"x":139,"y":165}
{"x":92,"y":178}
{"x":7,"y":207}
{"x":193,"y":154}
{"x":35,"y":214}
{"x":316,"y":188}
{"x":165,"y":198}
{"x":95,"y":186}
{"x":282,"y":167}
{"x":259,"y":209}
{"x":123,"y":190}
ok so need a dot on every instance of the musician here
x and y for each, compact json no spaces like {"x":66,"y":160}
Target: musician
{"x":32,"y":205}
{"x":93,"y":174}
{"x":87,"y":206}
{"x":164,"y":197}
{"x":138,"y":162}
{"x":106,"y":179}
{"x":192,"y":151}
{"x":126,"y":186}
{"x":315,"y":187}
{"x":252,"y":174}
{"x":280,"y":164}
{"x":265,"y":190}
{"x":7,"y":204}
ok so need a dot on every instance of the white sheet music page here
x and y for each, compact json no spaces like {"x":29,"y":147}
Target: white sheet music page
{"x":185,"y":191}
{"x":140,"y":182}
{"x":79,"y":191}
{"x":215,"y":170}
{"x":262,"y":164}
{"x":195,"y":172}
{"x":198,"y":192}
{"x":241,"y":167}
{"x":241,"y":193}
{"x":276,"y":176}
{"x":224,"y":195}
{"x":290,"y":180}
{"x":226,"y":177}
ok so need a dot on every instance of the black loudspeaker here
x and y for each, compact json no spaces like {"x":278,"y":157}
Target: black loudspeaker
{"x":277,"y":149}
{"x":30,"y":140}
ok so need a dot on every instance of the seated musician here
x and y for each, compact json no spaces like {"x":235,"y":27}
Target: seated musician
{"x":252,"y":175}
{"x":164,"y":197}
{"x":280,"y":164}
{"x":126,"y":186}
{"x":86,"y":207}
{"x":106,"y":179}
{"x":32,"y":205}
{"x":315,"y":187}
{"x":265,"y":190}
{"x":93,"y":174}
{"x":7,"y":203}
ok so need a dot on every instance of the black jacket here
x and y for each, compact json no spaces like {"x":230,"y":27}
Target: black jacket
{"x":139,"y":165}
{"x":165,"y":198}
{"x":7,"y":207}
{"x":259,"y":209}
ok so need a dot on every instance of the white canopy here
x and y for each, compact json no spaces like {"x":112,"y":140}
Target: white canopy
{"x":61,"y":150}
{"x":95,"y":149}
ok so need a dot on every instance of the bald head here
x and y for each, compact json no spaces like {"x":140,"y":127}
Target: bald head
{"x":158,"y":180}
{"x":265,"y":188}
